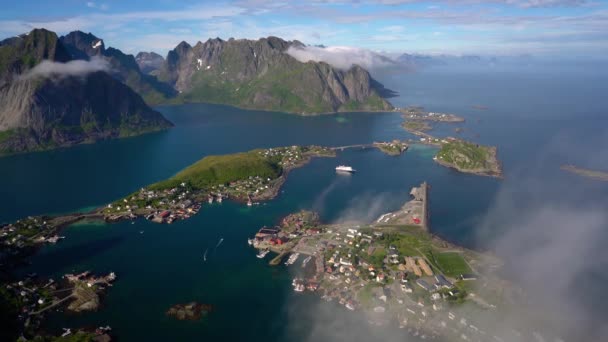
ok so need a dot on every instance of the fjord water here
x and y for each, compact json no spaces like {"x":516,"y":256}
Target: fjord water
{"x":161,"y":265}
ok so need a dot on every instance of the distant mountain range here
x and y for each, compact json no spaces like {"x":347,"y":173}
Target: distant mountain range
{"x":149,"y":62}
{"x":123,"y":67}
{"x":259,"y":74}
{"x":48,"y":99}
{"x":60,"y":91}
{"x":421,"y":60}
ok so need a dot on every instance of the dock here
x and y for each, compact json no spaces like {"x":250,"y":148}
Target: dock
{"x":424,"y":193}
{"x":277,"y":260}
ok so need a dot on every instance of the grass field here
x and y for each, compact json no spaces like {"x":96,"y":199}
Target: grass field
{"x":465,"y":155}
{"x":452,"y":263}
{"x":215,"y":170}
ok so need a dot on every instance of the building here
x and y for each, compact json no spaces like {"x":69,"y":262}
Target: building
{"x":424,"y":285}
{"x":443,"y":282}
{"x":425,"y":267}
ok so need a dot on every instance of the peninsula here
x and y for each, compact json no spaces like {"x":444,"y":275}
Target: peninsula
{"x":247,"y":177}
{"x":392,"y":269}
{"x":591,"y":174}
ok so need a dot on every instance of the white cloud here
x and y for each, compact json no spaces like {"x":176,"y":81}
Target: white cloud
{"x":102,"y":7}
{"x":342,"y":57}
{"x":48,"y":69}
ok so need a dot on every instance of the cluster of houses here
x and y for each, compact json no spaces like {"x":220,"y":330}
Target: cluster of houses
{"x":23,"y":233}
{"x":89,"y":279}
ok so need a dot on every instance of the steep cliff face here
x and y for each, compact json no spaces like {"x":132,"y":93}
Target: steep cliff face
{"x":261,"y":75}
{"x":149,"y":62}
{"x":41,"y":112}
{"x":123,"y":67}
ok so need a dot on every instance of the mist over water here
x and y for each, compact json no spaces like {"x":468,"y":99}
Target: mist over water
{"x":549,"y":227}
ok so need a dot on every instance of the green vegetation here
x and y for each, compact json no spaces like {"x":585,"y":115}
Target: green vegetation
{"x":80,"y":336}
{"x":419,"y":126}
{"x":5,"y":135}
{"x":216,"y":170}
{"x":468,"y":156}
{"x":451,"y":263}
{"x":288,"y":86}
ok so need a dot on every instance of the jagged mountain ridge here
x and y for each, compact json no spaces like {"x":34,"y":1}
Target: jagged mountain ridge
{"x":259,"y":74}
{"x":124,"y":67}
{"x":149,"y":62}
{"x":38,"y":113}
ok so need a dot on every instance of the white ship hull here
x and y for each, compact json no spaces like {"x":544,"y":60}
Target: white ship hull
{"x":344,"y":168}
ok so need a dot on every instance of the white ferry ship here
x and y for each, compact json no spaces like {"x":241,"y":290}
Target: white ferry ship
{"x":344,"y":168}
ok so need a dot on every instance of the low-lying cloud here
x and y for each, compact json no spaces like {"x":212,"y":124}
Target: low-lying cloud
{"x":341,"y":57}
{"x":79,"y":68}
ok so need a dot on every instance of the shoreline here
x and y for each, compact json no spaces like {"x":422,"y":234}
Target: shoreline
{"x":393,"y":110}
{"x":385,"y":289}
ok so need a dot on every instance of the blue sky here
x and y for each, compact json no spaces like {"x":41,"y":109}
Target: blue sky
{"x":491,"y":27}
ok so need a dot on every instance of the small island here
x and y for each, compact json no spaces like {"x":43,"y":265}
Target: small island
{"x":393,"y":269}
{"x":591,"y":174}
{"x":469,"y":157}
{"x":419,"y":113}
{"x":393,"y":148}
{"x":414,"y":126}
{"x":454,"y":153}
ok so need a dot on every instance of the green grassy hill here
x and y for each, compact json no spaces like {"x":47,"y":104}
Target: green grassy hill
{"x":215,"y":170}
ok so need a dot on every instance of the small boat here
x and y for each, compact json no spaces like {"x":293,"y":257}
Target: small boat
{"x":263,"y":253}
{"x":141,"y":232}
{"x":219,"y":242}
{"x":299,"y":288}
{"x":305,"y":262}
{"x":292,"y":259}
{"x":205,"y":255}
{"x":250,"y":242}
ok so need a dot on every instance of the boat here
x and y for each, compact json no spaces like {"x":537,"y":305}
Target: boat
{"x":210,"y":199}
{"x":219,"y":198}
{"x":250,"y":242}
{"x":299,"y":288}
{"x":306,"y":261}
{"x":263,"y":253}
{"x":205,"y":255}
{"x":292,"y":259}
{"x":344,"y":168}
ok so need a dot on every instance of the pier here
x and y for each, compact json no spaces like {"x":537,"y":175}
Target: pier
{"x":425,"y":206}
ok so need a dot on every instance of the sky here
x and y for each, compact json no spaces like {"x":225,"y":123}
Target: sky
{"x":490,"y":27}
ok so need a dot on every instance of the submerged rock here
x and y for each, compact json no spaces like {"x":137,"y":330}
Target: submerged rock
{"x":191,"y":311}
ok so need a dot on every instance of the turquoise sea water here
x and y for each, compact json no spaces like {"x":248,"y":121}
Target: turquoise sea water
{"x":164,"y":265}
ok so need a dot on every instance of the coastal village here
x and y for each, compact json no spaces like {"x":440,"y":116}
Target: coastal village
{"x":166,"y":205}
{"x":393,"y":270}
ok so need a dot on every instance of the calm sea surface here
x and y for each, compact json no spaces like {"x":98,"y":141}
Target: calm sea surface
{"x":538,"y":121}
